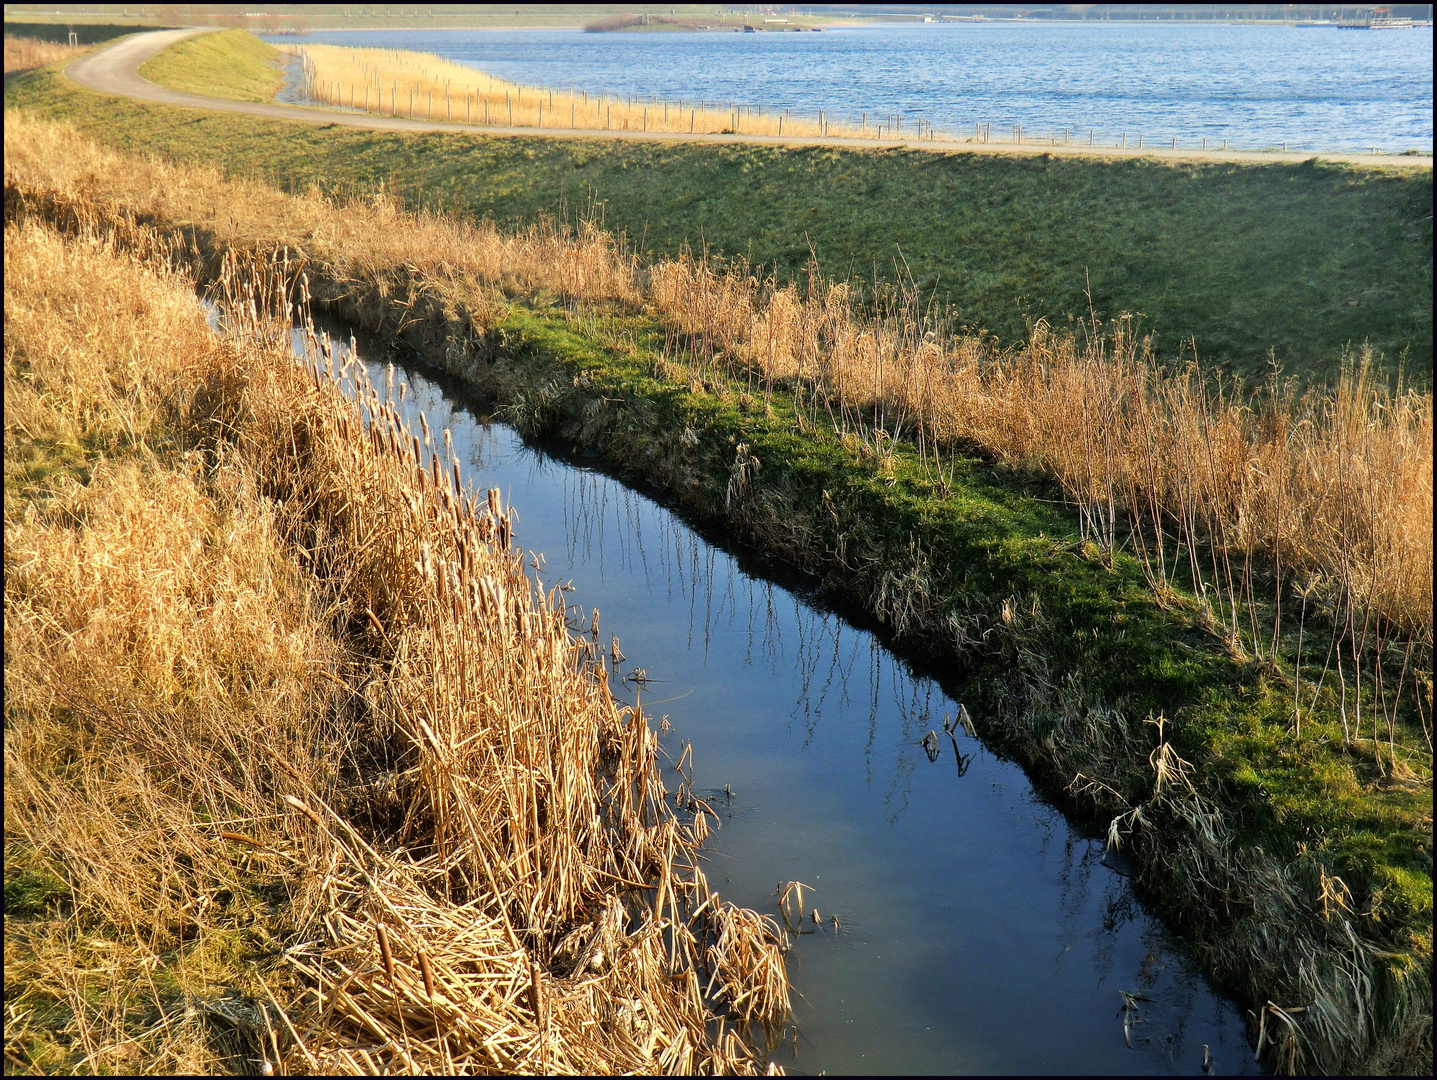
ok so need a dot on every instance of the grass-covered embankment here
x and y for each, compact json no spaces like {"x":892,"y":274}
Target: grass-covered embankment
{"x":302,"y":772}
{"x":230,"y":64}
{"x":1296,"y":261}
{"x":1267,"y":842}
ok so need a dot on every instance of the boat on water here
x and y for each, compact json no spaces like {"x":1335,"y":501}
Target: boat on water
{"x":1379,"y":22}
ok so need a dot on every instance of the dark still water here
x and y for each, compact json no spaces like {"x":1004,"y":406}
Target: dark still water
{"x":1315,"y":88}
{"x":978,"y":932}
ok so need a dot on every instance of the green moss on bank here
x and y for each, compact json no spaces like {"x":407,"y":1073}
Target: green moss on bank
{"x":1291,"y":262}
{"x":231,"y":64}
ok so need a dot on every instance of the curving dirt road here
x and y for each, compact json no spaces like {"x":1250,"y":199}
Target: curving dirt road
{"x":115,"y":70}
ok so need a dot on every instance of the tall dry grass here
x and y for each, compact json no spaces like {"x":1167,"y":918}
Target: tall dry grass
{"x":1268,"y":502}
{"x":1271,"y":504}
{"x":396,"y":82}
{"x":1333,"y":481}
{"x":23,"y":54}
{"x":260,"y":643}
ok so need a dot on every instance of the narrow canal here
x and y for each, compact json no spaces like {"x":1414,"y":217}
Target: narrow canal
{"x":977,"y":930}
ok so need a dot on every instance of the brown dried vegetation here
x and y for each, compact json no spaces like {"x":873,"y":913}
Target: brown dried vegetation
{"x":396,"y":82}
{"x":302,"y":770}
{"x":23,"y":54}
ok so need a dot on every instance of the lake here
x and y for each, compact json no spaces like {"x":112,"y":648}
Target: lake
{"x":1313,"y":88}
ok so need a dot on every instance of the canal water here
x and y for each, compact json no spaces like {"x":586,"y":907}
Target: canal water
{"x":978,"y":931}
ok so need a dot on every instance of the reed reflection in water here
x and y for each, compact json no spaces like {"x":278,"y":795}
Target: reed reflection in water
{"x":963,"y":925}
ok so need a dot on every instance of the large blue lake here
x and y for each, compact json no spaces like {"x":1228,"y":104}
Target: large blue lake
{"x":1316,"y":88}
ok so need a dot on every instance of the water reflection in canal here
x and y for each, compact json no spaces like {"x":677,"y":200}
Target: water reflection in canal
{"x":976,"y":930}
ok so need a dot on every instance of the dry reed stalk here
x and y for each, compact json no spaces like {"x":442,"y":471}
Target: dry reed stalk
{"x":1333,"y":484}
{"x":160,"y":652}
{"x":22,"y":53}
{"x":527,"y":792}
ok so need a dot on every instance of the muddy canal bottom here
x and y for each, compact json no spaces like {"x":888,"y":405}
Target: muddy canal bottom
{"x":977,"y":931}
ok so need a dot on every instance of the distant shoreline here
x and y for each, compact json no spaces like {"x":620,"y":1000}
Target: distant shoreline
{"x":114,"y":70}
{"x":826,"y":23}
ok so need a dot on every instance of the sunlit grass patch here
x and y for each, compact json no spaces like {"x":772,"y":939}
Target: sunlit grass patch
{"x":230,"y":64}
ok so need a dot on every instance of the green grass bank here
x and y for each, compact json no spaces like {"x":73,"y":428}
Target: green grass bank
{"x":231,"y":64}
{"x":1295,"y":263}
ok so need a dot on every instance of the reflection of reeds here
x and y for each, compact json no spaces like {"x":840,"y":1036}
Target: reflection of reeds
{"x":307,"y":627}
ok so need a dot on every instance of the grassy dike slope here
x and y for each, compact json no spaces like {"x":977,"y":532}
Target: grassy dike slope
{"x":231,"y":64}
{"x":1296,"y":261}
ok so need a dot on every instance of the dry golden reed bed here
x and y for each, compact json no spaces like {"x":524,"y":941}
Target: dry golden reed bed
{"x":1271,"y":504}
{"x":303,"y":771}
{"x":396,"y":82}
{"x":22,"y":54}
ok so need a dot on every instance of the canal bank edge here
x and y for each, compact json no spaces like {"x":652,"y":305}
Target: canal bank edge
{"x":1072,"y":656}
